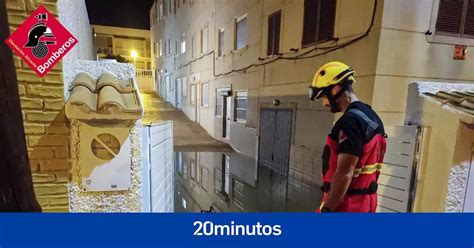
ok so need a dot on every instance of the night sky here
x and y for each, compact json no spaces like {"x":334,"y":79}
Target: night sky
{"x":120,"y":13}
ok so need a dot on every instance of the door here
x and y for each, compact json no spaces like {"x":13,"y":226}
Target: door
{"x":179,"y":92}
{"x":197,"y":102}
{"x":227,"y":117}
{"x":159,"y":176}
{"x":274,"y":158}
{"x":169,"y":93}
{"x":164,"y":92}
{"x":397,"y":178}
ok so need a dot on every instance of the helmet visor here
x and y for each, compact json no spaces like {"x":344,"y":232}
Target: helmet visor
{"x":314,"y":93}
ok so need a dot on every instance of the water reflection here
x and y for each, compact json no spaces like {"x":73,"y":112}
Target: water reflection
{"x":235,"y":183}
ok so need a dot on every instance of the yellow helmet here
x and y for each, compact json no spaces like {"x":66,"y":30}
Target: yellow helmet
{"x":331,"y":73}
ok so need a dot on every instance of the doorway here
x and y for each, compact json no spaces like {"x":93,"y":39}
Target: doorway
{"x":179,"y":92}
{"x":274,"y":158}
{"x":227,"y":115}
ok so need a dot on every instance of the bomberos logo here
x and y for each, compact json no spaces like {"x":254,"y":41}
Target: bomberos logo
{"x":41,"y":41}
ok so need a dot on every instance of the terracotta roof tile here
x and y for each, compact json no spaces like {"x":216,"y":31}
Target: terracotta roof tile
{"x":104,"y":98}
{"x":460,"y":100}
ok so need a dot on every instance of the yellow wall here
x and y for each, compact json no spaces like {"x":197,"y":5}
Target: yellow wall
{"x":406,"y":56}
{"x":446,"y":152}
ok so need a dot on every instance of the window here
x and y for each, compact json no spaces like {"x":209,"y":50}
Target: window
{"x":160,"y":45}
{"x":165,"y":48}
{"x":104,"y":44}
{"x":185,"y":87}
{"x":169,"y":83}
{"x":176,"y":47}
{"x":240,"y":106}
{"x":455,"y":18}
{"x":219,"y":103}
{"x":241,"y":32}
{"x":164,"y":7}
{"x":193,"y":93}
{"x":204,"y":40}
{"x":274,"y":33}
{"x":169,"y":47}
{"x":193,"y":170}
{"x":319,"y":16}
{"x":193,"y":46}
{"x":220,"y":43}
{"x":205,"y":95}
{"x":205,"y":178}
{"x":183,"y":43}
{"x":161,"y":11}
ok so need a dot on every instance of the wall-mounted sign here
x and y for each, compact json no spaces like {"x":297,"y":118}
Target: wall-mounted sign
{"x":105,"y":158}
{"x":105,"y":146}
{"x":459,"y":52}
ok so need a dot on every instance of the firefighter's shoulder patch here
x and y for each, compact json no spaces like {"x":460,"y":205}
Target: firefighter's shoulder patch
{"x":342,"y":137}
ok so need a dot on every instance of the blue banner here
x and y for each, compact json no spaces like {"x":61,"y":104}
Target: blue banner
{"x":237,"y":230}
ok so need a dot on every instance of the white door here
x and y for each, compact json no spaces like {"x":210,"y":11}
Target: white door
{"x":228,"y":116}
{"x":158,"y":168}
{"x":198,"y":102}
{"x":168,"y":90}
{"x":469,"y":199}
{"x":179,"y":92}
{"x":398,"y":175}
{"x":227,"y":174}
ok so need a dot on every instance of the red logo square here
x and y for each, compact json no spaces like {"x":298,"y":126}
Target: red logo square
{"x":41,"y":41}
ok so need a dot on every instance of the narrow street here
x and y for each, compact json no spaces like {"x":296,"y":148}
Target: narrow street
{"x":188,"y":135}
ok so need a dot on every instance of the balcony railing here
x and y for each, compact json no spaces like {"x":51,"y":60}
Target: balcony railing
{"x":142,"y":73}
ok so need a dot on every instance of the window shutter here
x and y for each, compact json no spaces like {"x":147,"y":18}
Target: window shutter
{"x":449,"y":16}
{"x":241,"y":33}
{"x":271,"y":34}
{"x":310,"y":21}
{"x":326,"y":20}
{"x":469,"y":24}
{"x":274,"y":33}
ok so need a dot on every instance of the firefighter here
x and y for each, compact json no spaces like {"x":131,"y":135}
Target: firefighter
{"x":355,"y":147}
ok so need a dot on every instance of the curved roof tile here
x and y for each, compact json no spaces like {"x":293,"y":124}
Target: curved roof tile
{"x":104,"y":98}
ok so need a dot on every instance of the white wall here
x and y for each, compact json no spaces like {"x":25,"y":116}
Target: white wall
{"x":73,"y":15}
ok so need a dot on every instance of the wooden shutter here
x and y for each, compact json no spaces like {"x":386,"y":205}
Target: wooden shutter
{"x":326,"y":20}
{"x":469,"y":24}
{"x":274,"y":21}
{"x":310,"y":21}
{"x":449,"y":17}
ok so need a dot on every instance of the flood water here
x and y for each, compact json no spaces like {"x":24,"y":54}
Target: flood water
{"x":235,"y":183}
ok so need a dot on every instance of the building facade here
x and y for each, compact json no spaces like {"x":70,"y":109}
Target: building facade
{"x":127,"y":45}
{"x":122,"y":41}
{"x":242,"y":68}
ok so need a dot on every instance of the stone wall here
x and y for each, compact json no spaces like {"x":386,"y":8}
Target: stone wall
{"x":42,"y":102}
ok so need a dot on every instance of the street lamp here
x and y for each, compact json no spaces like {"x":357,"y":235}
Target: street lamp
{"x":134,"y":56}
